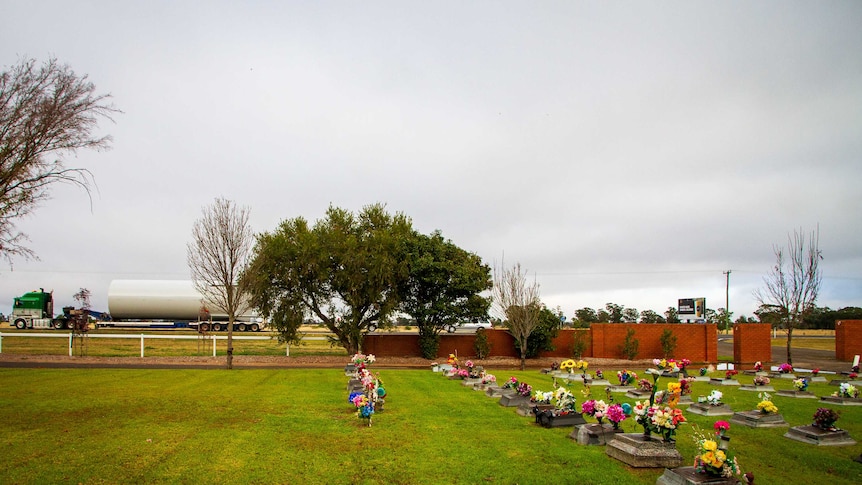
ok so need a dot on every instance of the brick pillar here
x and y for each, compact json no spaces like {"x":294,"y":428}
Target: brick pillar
{"x":752,"y":342}
{"x":848,"y":339}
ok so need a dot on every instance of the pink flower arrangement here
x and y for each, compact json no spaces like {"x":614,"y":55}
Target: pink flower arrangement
{"x":720,"y":427}
{"x":785,"y":368}
{"x":758,"y":366}
{"x":616,"y":415}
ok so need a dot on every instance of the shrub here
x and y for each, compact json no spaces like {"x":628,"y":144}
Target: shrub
{"x":581,"y":342}
{"x":668,"y":343}
{"x":429,"y":343}
{"x":629,"y":347}
{"x":482,"y":345}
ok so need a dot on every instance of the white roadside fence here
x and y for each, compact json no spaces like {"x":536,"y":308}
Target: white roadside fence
{"x":143,"y":337}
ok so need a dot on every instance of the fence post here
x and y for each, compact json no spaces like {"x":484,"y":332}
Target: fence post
{"x":288,"y":350}
{"x":1,"y":343}
{"x":142,"y":346}
{"x":70,"y":344}
{"x":214,"y":345}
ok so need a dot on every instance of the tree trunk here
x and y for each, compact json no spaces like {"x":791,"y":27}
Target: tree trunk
{"x":789,"y":339}
{"x":229,"y":364}
{"x":524,"y":354}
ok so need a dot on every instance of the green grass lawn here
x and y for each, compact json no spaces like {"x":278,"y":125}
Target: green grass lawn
{"x":296,"y":426}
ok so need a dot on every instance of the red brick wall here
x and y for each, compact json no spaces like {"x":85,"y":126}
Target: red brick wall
{"x":848,"y":339}
{"x":696,"y":342}
{"x":752,"y":342}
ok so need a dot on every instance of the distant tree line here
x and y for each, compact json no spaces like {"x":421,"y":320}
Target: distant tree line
{"x":818,"y":318}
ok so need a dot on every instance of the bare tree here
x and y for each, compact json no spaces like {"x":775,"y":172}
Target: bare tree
{"x":792,"y":286}
{"x":46,"y":112}
{"x":220,"y":249}
{"x":517,"y":300}
{"x":79,"y":320}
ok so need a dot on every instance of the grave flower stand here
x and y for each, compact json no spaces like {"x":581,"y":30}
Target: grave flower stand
{"x":530,"y":408}
{"x":764,"y":388}
{"x":724,"y":382}
{"x":842,"y":401}
{"x":513,"y":400}
{"x":687,"y":475}
{"x":550,"y":419}
{"x":644,"y":451}
{"x":818,"y":436}
{"x":796,"y":394}
{"x":595,"y":434}
{"x":706,"y":409}
{"x":757,"y":419}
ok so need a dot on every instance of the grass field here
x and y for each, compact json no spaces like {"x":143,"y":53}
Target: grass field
{"x":295,"y":426}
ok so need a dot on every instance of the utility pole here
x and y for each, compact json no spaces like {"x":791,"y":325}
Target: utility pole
{"x":727,"y":301}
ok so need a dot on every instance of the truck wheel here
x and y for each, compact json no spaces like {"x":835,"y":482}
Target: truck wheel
{"x":217,"y":327}
{"x":242,"y":327}
{"x":20,"y":324}
{"x":204,"y":327}
{"x":255,"y":327}
{"x":451,"y":329}
{"x":58,"y":324}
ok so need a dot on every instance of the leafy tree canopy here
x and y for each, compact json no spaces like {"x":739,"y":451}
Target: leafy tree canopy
{"x":344,"y":271}
{"x":442,"y":287}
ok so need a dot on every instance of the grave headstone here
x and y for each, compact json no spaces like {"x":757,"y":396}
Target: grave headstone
{"x":816,"y":436}
{"x":640,"y":451}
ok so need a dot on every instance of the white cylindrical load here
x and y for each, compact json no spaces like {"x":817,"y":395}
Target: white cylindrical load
{"x":155,"y":300}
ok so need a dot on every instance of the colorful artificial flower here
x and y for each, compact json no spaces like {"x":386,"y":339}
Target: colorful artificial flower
{"x":825,"y":418}
{"x":800,"y":384}
{"x":730,"y":373}
{"x":846,"y":390}
{"x":761,"y":381}
{"x":713,"y":461}
{"x":540,"y":397}
{"x":616,"y":414}
{"x":721,"y":427}
{"x":785,"y":368}
{"x":767,"y":407}
{"x":714,"y":397}
{"x":645,"y":385}
{"x":758,"y":366}
{"x":564,"y":400}
{"x":626,"y":378}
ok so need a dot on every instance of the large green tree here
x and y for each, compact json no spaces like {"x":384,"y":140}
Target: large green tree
{"x":443,"y":287}
{"x":344,"y":271}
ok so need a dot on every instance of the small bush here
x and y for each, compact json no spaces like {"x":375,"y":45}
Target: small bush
{"x":629,"y":347}
{"x":668,"y":343}
{"x":429,"y":344}
{"x":482,"y":345}
{"x":581,"y":342}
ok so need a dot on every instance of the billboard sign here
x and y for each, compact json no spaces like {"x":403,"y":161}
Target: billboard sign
{"x":692,"y":309}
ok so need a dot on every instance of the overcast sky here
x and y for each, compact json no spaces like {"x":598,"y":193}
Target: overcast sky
{"x":626,"y":152}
